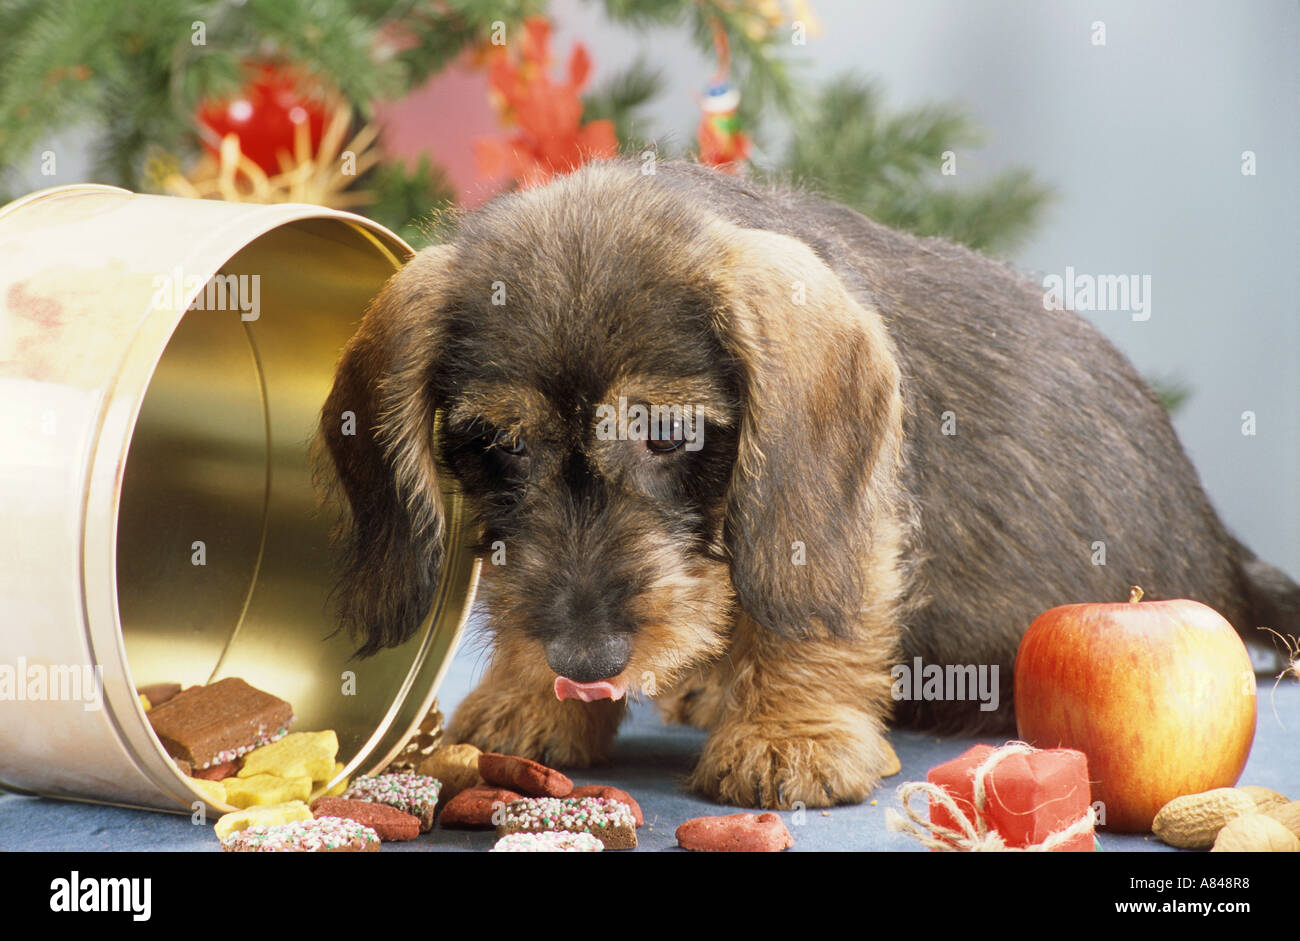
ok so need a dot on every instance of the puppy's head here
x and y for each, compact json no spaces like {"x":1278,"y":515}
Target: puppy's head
{"x":514,"y":362}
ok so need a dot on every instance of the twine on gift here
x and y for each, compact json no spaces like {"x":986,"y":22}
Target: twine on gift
{"x":972,"y":836}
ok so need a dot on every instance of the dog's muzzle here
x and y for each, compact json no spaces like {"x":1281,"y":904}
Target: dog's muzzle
{"x":589,"y":670}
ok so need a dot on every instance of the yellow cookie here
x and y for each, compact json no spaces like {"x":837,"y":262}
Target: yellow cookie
{"x":327,"y":740}
{"x":456,"y":766}
{"x":336,"y":790}
{"x":297,"y":755}
{"x":253,"y":816}
{"x":266,"y":789}
{"x":213,"y":791}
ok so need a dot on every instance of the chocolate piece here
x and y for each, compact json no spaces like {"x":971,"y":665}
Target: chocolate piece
{"x":410,"y":793}
{"x":391,"y":824}
{"x":611,"y":793}
{"x":522,"y":775}
{"x":609,"y":821}
{"x":211,"y":725}
{"x":158,"y":693}
{"x":321,"y":835}
{"x":735,"y":833}
{"x":474,"y":807}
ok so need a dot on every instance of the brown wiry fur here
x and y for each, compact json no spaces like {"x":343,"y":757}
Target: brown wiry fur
{"x":763,"y":587}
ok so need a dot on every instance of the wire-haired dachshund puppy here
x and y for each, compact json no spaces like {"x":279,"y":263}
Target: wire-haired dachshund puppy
{"x":743,"y":450}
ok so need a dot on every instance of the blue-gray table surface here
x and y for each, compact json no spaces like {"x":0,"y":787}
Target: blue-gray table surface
{"x":650,"y":761}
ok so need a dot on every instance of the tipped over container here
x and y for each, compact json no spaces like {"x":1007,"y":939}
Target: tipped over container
{"x":163,"y":362}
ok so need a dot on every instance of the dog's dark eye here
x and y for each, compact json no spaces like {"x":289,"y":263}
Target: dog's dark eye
{"x":508,"y":443}
{"x":666,"y":445}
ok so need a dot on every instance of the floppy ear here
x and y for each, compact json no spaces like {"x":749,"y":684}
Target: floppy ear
{"x":377,"y":429}
{"x":820,"y":435}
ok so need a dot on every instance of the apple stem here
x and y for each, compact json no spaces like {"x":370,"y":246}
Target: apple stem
{"x":1134,"y":595}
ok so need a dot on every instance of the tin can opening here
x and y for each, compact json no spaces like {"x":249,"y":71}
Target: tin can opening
{"x":223,"y":560}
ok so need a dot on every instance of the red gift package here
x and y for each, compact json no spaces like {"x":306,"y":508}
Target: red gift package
{"x":1028,"y":795}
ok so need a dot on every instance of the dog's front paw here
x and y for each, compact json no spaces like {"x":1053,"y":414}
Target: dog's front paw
{"x":558,"y":734}
{"x":749,"y":765}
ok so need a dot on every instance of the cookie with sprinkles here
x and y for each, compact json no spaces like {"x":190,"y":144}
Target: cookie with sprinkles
{"x":612,"y":793}
{"x":320,"y":835}
{"x":548,"y":841}
{"x":609,"y":821}
{"x":391,"y":824}
{"x":415,"y":794}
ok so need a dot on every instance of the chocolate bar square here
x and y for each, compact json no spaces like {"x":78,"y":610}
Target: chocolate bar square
{"x":209,"y":725}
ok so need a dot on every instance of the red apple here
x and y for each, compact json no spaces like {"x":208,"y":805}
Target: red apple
{"x":1160,"y":696}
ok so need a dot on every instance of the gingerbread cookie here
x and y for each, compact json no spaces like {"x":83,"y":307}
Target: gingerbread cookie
{"x":227,"y":769}
{"x":735,"y":833}
{"x":522,"y":775}
{"x":475,"y":806}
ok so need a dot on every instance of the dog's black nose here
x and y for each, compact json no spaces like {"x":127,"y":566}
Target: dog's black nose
{"x":589,"y":659}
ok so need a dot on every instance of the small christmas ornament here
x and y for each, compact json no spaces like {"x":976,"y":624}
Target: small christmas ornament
{"x":322,"y":175}
{"x":722,"y":143}
{"x":267,"y":117}
{"x":551,"y":138}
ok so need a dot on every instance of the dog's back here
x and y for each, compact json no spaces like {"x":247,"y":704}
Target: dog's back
{"x":1041,"y":468}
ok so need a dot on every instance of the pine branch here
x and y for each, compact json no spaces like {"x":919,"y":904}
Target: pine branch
{"x":1173,"y":391}
{"x":441,"y":32}
{"x":888,"y":167}
{"x":50,"y":58}
{"x":758,"y":69}
{"x":331,"y":39}
{"x":130,"y":71}
{"x":416,"y":204}
{"x":757,"y":66}
{"x":648,"y":12}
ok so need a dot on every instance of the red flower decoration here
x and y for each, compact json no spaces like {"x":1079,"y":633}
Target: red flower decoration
{"x":551,"y":138}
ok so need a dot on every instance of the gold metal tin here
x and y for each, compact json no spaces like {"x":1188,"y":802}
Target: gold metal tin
{"x":133,"y":429}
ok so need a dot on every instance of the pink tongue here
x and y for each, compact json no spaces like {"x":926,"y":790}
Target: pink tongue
{"x":566,"y":688}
